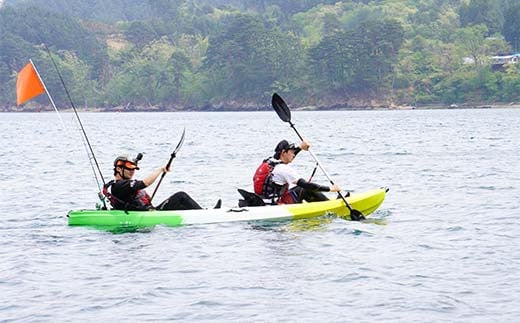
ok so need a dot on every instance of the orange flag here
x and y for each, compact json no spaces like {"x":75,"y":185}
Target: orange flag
{"x":28,"y":84}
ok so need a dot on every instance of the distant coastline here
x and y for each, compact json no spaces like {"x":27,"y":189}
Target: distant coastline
{"x":209,"y":108}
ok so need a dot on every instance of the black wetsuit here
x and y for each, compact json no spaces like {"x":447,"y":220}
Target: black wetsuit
{"x":129,"y":194}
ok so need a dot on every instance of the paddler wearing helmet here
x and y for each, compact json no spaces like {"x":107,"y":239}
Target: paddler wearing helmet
{"x":126,"y":193}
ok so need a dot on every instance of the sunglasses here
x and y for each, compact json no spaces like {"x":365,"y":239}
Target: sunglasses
{"x":129,"y":166}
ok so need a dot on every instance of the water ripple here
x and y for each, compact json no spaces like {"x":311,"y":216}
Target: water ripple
{"x":441,"y":248}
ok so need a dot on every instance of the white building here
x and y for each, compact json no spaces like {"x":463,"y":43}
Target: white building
{"x":508,"y":59}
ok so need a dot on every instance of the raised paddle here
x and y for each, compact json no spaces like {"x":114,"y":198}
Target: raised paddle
{"x":284,"y":113}
{"x":172,"y":156}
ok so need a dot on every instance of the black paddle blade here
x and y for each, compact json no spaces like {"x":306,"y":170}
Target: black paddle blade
{"x":179,"y":145}
{"x":355,"y":215}
{"x":281,"y":108}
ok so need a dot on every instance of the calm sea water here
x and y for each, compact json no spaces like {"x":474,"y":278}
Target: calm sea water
{"x":449,"y":251}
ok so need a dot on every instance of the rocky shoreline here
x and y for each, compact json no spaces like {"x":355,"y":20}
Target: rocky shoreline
{"x":209,"y":108}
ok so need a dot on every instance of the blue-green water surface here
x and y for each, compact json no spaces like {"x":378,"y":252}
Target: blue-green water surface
{"x":449,"y":251}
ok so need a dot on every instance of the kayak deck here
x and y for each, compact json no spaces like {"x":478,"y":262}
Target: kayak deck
{"x":365,"y":202}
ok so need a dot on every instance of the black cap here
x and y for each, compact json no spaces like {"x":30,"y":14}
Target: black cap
{"x":285,"y":145}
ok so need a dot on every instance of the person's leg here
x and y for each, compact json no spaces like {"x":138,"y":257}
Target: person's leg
{"x":297,"y":194}
{"x":310,"y":196}
{"x":179,"y":201}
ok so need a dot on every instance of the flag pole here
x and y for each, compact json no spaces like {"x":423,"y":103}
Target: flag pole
{"x":90,"y":151}
{"x":48,"y":94}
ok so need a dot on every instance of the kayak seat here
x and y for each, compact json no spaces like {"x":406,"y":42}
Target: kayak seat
{"x":249,"y":199}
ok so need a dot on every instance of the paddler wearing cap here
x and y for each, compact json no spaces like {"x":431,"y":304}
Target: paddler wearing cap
{"x":126,"y":193}
{"x":278,"y":182}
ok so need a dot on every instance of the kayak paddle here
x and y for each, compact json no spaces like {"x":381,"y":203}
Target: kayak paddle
{"x":284,"y":113}
{"x":172,"y":156}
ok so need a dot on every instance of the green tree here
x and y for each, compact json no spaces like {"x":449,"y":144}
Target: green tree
{"x":511,"y":81}
{"x":419,"y":70}
{"x":140,"y":33}
{"x":166,"y":9}
{"x":471,"y":42}
{"x":457,"y":87}
{"x":358,"y":61}
{"x":6,"y":85}
{"x":245,"y":58}
{"x":195,"y":52}
{"x":82,"y":88}
{"x":331,"y":62}
{"x":178,"y":65}
{"x":511,"y":29}
{"x":37,"y":26}
{"x":143,"y":79}
{"x":485,"y":12}
{"x":378,"y":43}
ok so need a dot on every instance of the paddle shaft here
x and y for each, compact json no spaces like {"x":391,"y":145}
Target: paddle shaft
{"x":284,"y":113}
{"x":321,"y":167}
{"x":172,"y":156}
{"x":162,"y":175}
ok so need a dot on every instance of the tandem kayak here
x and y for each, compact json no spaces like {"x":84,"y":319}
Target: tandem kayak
{"x":365,"y":202}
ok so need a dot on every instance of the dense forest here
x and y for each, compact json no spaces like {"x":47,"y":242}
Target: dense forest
{"x":233,"y":54}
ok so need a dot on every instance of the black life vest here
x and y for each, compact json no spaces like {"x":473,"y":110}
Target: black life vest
{"x":141,"y":201}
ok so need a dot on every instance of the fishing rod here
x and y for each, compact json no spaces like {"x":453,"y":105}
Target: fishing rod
{"x":90,"y":151}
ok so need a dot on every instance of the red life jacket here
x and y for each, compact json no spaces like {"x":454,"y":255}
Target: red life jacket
{"x":262,"y":180}
{"x":287,"y":197}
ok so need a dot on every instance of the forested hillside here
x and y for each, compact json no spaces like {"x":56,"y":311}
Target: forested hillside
{"x":233,"y":54}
